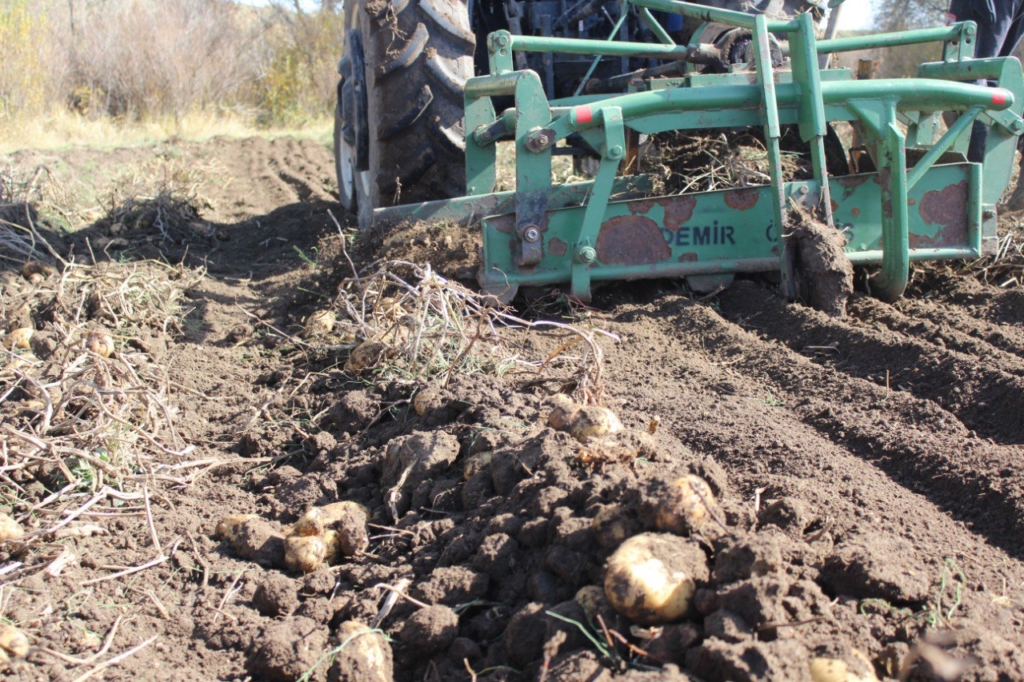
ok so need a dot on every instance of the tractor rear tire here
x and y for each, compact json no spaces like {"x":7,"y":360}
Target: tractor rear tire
{"x":418,"y":55}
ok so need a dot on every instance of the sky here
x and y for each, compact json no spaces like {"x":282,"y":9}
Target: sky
{"x":857,"y":14}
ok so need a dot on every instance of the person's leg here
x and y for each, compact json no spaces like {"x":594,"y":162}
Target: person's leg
{"x":991,"y":37}
{"x":1013,"y":36}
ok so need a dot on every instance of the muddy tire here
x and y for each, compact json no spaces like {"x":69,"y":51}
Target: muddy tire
{"x":417,"y":56}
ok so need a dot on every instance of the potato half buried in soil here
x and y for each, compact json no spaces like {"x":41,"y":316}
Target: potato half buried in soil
{"x":365,"y":356}
{"x":686,"y":506}
{"x":13,"y":640}
{"x":325,"y":534}
{"x":651,"y":577}
{"x":227,"y":528}
{"x":9,"y":528}
{"x":100,"y":343}
{"x":35,"y":272}
{"x":348,"y":519}
{"x":20,"y":338}
{"x":363,"y":655}
{"x":563,"y":411}
{"x":594,"y":421}
{"x":319,"y":323}
{"x":612,"y":525}
{"x":304,"y":553}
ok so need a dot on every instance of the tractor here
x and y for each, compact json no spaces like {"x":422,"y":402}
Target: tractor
{"x":428,"y":88}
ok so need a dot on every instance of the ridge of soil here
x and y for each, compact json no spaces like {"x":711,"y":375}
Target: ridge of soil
{"x":866,"y":469}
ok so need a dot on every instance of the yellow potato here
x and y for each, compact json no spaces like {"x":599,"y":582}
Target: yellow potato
{"x":476,"y":464}
{"x":13,"y":640}
{"x":347,"y":520}
{"x":686,"y":506}
{"x":9,"y":528}
{"x":592,"y":600}
{"x":20,"y":337}
{"x":365,"y":356}
{"x":304,"y":553}
{"x":36,"y":272}
{"x":227,"y":528}
{"x":594,"y":421}
{"x":837,"y":670}
{"x":651,"y":577}
{"x":100,"y":343}
{"x":319,"y":323}
{"x":563,"y":411}
{"x":364,"y":656}
{"x":612,"y":526}
{"x":424,"y":399}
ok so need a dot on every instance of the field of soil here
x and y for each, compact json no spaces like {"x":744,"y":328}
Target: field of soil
{"x":870,"y":506}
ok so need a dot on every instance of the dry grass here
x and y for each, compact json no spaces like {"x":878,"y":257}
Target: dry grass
{"x":88,"y":417}
{"x":684,"y":163}
{"x":59,"y":128}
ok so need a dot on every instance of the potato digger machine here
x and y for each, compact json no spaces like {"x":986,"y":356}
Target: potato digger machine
{"x":593,"y":77}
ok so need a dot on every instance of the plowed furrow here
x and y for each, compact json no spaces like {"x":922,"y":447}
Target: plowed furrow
{"x":952,"y":327}
{"x":777,"y":420}
{"x":984,"y":398}
{"x":998,"y":348}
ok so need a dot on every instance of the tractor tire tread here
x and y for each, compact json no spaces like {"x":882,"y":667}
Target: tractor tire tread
{"x":418,"y":58}
{"x":407,"y":54}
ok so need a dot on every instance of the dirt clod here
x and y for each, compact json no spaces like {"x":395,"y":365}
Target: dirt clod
{"x":275,"y":595}
{"x":824,"y":271}
{"x":286,"y":650}
{"x":430,"y":630}
{"x":878,"y":566}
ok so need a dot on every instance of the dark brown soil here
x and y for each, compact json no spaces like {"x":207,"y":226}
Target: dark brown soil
{"x":866,"y":472}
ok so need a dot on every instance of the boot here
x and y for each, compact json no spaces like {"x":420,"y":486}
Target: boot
{"x":1016,"y":201}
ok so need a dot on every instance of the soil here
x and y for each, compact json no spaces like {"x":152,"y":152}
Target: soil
{"x":868,"y":500}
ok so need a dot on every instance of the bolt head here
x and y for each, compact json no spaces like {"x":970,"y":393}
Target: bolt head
{"x":1018,"y":126}
{"x":587,"y":254}
{"x":615,"y":152}
{"x":531,"y":234}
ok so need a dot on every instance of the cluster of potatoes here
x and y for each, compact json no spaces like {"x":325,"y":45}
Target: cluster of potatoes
{"x":388,"y":314}
{"x":323,"y":535}
{"x":651,"y":577}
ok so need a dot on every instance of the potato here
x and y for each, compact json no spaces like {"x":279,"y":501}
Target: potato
{"x":5,"y":660}
{"x":13,"y":640}
{"x":35,"y":272}
{"x":365,"y":356}
{"x":593,"y":602}
{"x":837,"y":670}
{"x":364,"y":655}
{"x":9,"y":528}
{"x":100,"y":343}
{"x":563,"y":410}
{"x":332,"y":539}
{"x":612,"y":526}
{"x":20,"y":338}
{"x":476,"y":464}
{"x":686,"y":506}
{"x":319,"y":323}
{"x":227,"y":528}
{"x":304,"y":553}
{"x":593,"y":421}
{"x":426,"y":398}
{"x":348,"y":519}
{"x":651,"y":577}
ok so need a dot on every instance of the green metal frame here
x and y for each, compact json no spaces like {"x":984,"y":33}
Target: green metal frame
{"x":550,"y":234}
